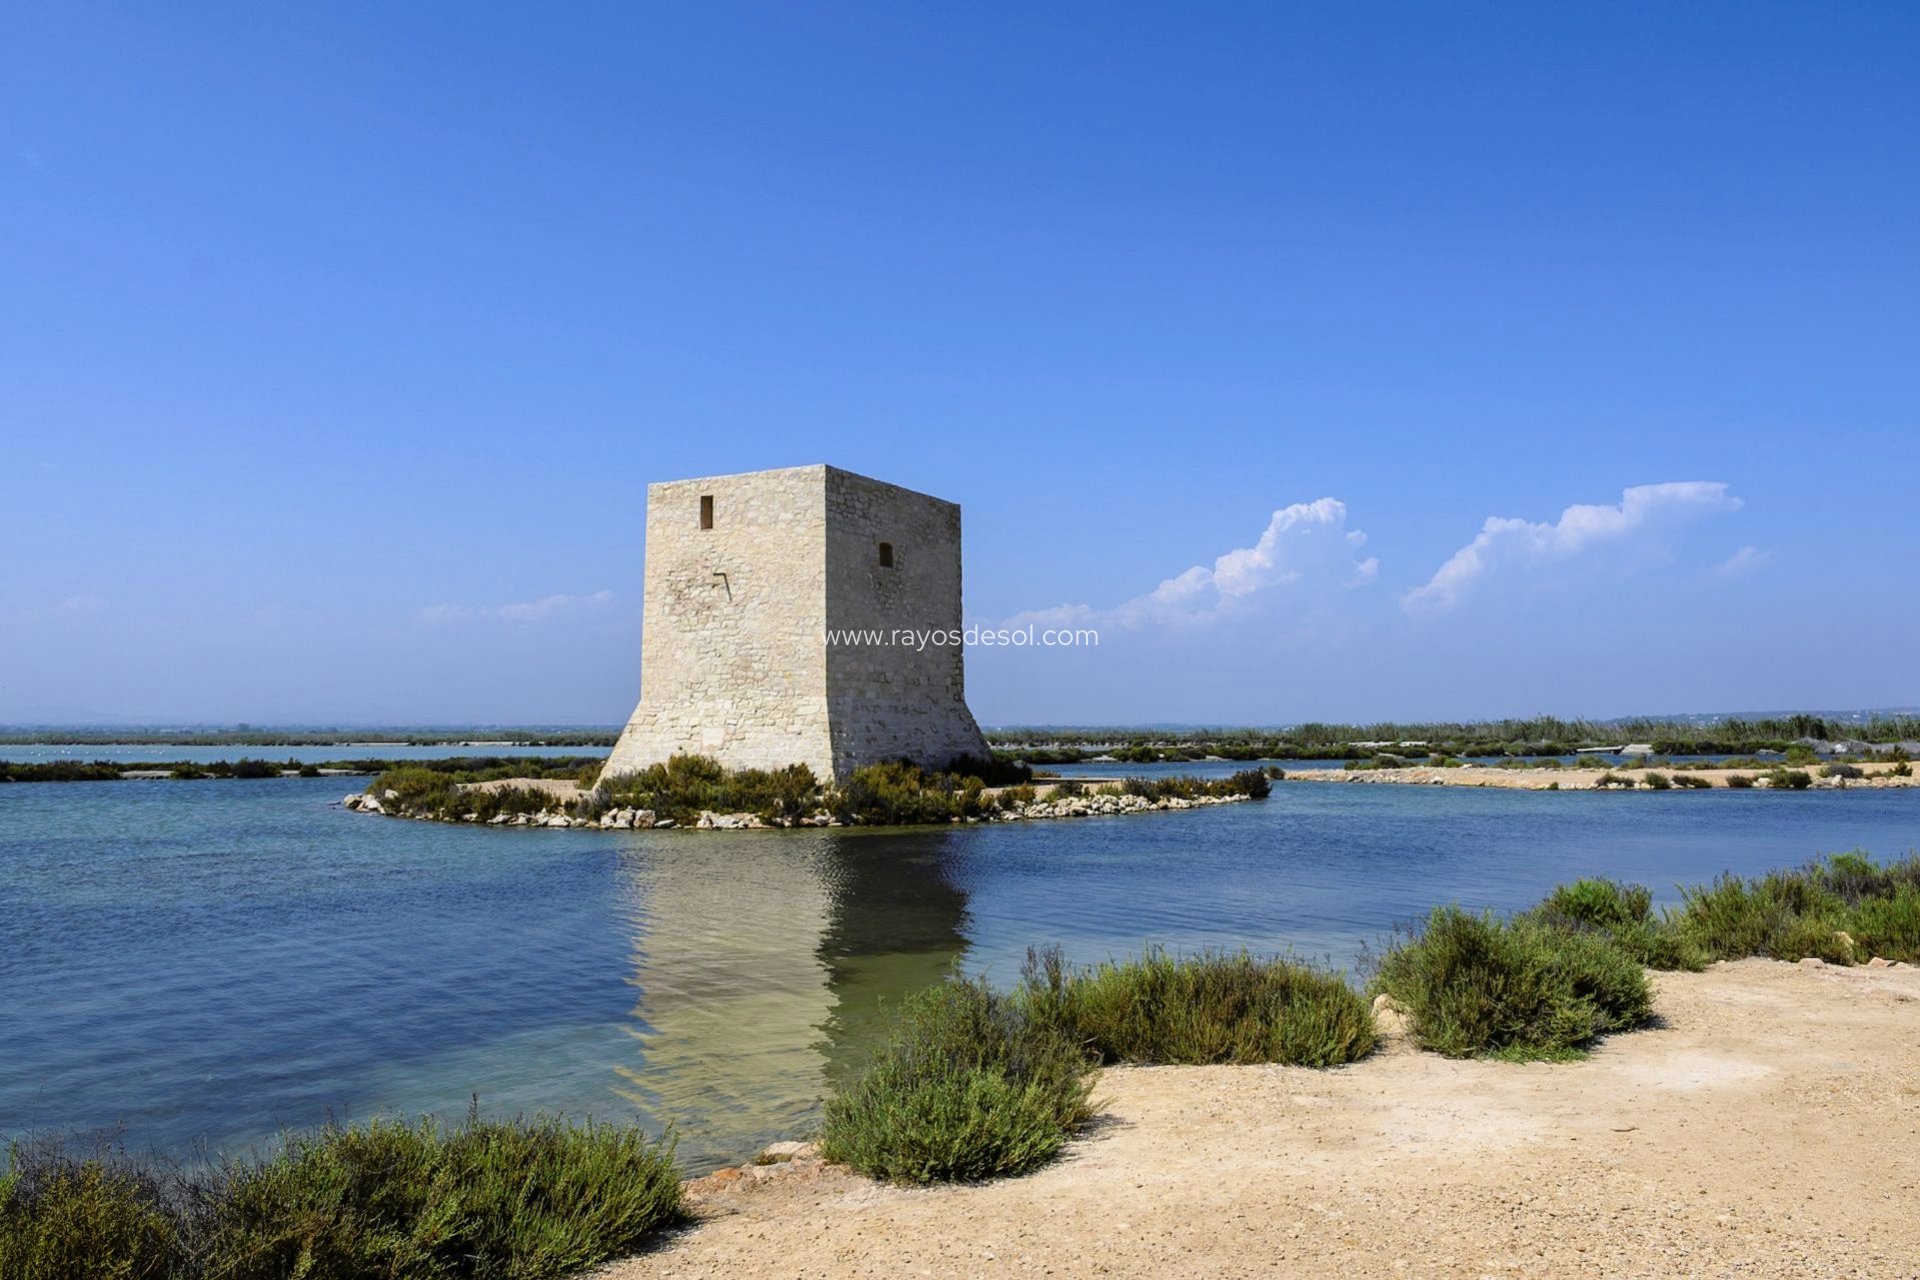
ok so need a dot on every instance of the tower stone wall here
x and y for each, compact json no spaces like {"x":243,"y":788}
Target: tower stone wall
{"x":749,"y":577}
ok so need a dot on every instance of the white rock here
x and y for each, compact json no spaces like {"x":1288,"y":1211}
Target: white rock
{"x":778,"y":1151}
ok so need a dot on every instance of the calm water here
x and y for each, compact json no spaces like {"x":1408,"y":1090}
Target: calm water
{"x":206,"y":962}
{"x":132,"y":755}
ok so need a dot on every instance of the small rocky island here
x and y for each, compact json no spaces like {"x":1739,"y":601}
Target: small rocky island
{"x":695,"y":792}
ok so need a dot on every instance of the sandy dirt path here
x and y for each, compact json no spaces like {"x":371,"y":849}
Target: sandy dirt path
{"x":1770,"y":1126}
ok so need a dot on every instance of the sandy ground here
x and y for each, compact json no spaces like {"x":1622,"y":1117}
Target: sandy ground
{"x":1770,"y":1126}
{"x":1877,"y":775}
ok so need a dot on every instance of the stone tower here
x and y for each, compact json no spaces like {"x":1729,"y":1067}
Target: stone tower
{"x":748,"y":580}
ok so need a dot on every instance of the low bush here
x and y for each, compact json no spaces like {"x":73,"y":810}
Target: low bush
{"x":687,"y":785}
{"x":1739,"y":781}
{"x":1623,"y":914}
{"x":60,"y":771}
{"x":1901,"y":770}
{"x":1520,"y":990}
{"x":993,"y":772}
{"x":1691,"y":781}
{"x":411,"y":788}
{"x":1657,"y":781}
{"x":969,"y":1085}
{"x":1848,"y":771}
{"x":1888,"y":927}
{"x":1213,"y":1007}
{"x":1612,"y":779}
{"x":1790,"y":779}
{"x":529,"y":1199}
{"x":1247,"y":782}
{"x":1785,"y":915}
{"x":901,"y":794}
{"x":103,"y":1215}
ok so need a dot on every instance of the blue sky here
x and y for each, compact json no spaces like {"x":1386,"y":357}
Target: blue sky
{"x":337,"y":346}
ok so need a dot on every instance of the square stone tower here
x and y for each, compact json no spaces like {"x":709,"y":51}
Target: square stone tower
{"x":753,"y":584}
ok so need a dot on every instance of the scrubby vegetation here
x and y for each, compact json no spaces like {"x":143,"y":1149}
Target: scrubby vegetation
{"x":1543,"y":983}
{"x":686,"y":785}
{"x":973,"y":1083}
{"x":523,"y":1198}
{"x":1623,"y":915}
{"x":1516,"y":989}
{"x":61,"y":771}
{"x":1844,"y":909}
{"x":1547,"y":736}
{"x":969,"y":1085}
{"x":1247,"y":782}
{"x":1208,"y":1008}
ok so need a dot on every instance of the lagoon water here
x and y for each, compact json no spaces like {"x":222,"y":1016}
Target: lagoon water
{"x":204,"y":963}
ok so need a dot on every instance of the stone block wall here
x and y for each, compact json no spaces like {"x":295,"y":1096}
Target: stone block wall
{"x":735,"y":659}
{"x":889,"y":701}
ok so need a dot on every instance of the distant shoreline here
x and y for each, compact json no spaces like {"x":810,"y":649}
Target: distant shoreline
{"x":1870,"y":776}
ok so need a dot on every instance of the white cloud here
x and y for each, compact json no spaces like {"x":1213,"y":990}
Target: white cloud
{"x":527,"y":611}
{"x":1644,"y":512}
{"x":1307,"y":542}
{"x":1741,"y":563}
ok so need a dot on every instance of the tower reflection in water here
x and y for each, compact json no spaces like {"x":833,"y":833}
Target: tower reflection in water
{"x":765,"y":964}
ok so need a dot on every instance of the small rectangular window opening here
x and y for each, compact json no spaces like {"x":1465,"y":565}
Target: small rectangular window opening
{"x":706,"y":511}
{"x":886,"y":555}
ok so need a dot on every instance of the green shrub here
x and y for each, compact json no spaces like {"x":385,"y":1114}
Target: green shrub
{"x":1790,"y":779}
{"x":1888,"y":927}
{"x":415,"y":790}
{"x":528,"y":1199}
{"x":1801,"y":753}
{"x":248,"y":768}
{"x":1598,"y":904}
{"x":1208,"y":1008}
{"x":901,"y":793}
{"x":1612,"y":779}
{"x":1657,"y":781}
{"x":687,"y":785}
{"x":1739,"y":781}
{"x":969,"y":1085}
{"x":1841,"y":771}
{"x":60,"y":771}
{"x":522,"y":1198}
{"x":1692,"y":781}
{"x":993,"y":772}
{"x":68,"y":1218}
{"x":1247,"y":782}
{"x":1622,"y":913}
{"x":1514,"y":989}
{"x":1784,"y":915}
{"x":1901,"y":770}
{"x":1855,"y":878}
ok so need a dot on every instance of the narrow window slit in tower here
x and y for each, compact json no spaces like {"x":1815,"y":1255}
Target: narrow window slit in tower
{"x":706,"y":511}
{"x":886,"y":555}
